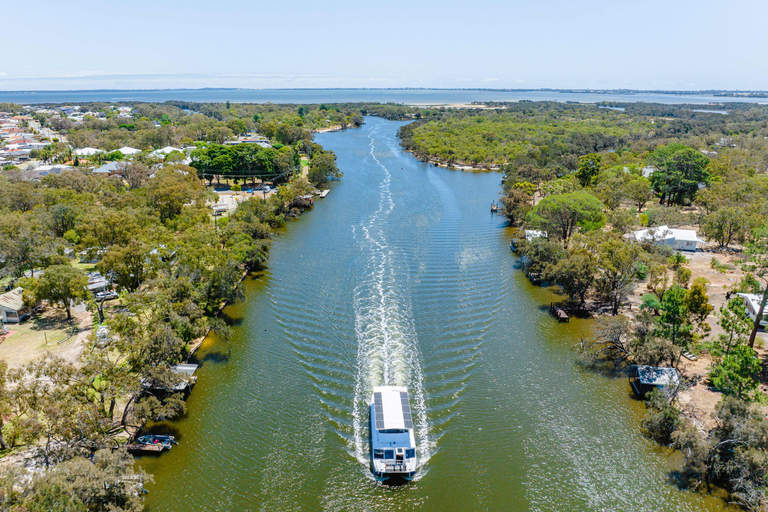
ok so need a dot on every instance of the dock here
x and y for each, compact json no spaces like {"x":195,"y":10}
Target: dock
{"x":494,"y":208}
{"x":559,"y":313}
{"x":144,"y":448}
{"x":324,"y":193}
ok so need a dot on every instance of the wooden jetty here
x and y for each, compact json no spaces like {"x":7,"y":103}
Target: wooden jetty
{"x":144,"y":448}
{"x":324,"y":193}
{"x":559,"y":313}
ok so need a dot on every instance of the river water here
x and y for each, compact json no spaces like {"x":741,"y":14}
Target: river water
{"x":402,"y":276}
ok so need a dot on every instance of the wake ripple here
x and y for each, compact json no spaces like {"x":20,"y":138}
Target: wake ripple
{"x":388,"y":352}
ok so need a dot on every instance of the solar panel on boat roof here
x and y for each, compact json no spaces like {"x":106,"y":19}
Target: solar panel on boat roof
{"x":407,"y":419}
{"x":379,"y":410}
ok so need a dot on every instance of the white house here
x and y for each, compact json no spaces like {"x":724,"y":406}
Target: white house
{"x":88,"y":151}
{"x":12,"y":308}
{"x":752,"y":303}
{"x":680,"y":239}
{"x":162,"y":153}
{"x":129,"y":151}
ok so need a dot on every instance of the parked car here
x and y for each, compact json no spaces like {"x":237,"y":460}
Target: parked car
{"x":108,"y":295}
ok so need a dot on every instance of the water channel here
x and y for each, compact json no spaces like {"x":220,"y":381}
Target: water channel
{"x":402,"y":276}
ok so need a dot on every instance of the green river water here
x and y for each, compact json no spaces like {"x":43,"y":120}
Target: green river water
{"x":402,"y":276}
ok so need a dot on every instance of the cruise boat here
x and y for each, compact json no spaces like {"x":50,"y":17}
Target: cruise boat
{"x":393,"y":444}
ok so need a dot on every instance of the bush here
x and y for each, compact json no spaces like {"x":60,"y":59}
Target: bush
{"x":650,"y":302}
{"x":663,"y":420}
{"x":736,"y":374}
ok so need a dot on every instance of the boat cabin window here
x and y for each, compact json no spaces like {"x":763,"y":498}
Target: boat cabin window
{"x":410,"y":453}
{"x":393,"y":431}
{"x":378,"y":453}
{"x":389,"y":454}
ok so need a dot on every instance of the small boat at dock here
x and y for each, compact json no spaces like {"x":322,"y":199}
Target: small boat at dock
{"x":152,"y":443}
{"x":393,"y":444}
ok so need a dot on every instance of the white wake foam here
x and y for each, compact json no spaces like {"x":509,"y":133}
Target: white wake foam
{"x":388,"y":352}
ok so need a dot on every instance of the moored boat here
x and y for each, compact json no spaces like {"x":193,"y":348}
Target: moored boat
{"x":166,"y":442}
{"x":393,"y":443}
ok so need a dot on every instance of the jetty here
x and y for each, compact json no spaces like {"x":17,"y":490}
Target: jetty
{"x":324,"y":193}
{"x":559,"y":313}
{"x":144,"y":448}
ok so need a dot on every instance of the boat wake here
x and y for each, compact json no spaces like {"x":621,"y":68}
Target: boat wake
{"x":387,"y":353}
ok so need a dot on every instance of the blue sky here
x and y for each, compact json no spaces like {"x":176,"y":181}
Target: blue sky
{"x":649,"y":44}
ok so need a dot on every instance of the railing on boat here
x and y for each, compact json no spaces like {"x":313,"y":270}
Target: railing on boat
{"x":395,"y":468}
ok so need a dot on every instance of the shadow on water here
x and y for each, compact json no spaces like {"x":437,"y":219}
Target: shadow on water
{"x":688,"y":483}
{"x":230,"y":320}
{"x":164,"y":428}
{"x":213,"y":357}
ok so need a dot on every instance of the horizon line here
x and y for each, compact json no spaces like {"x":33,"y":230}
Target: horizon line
{"x":504,"y":89}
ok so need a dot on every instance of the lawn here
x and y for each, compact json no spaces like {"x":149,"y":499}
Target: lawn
{"x":48,"y":331}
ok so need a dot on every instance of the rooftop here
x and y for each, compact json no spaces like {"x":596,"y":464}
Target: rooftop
{"x":12,"y":300}
{"x":392,"y":408}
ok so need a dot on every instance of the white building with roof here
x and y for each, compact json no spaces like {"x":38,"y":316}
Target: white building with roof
{"x":12,"y":308}
{"x":163,"y":152}
{"x":679,"y":239}
{"x":129,"y":151}
{"x":752,"y":304}
{"x":88,"y":151}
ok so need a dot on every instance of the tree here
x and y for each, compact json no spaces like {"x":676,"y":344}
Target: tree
{"x":5,"y":401}
{"x":107,"y":482}
{"x":63,"y":285}
{"x":135,"y":173}
{"x":664,"y":418}
{"x":133,"y":264}
{"x":679,"y":170}
{"x":560,"y":215}
{"x":737,"y":373}
{"x":238,"y":126}
{"x":589,"y":168}
{"x":675,"y":315}
{"x":321,"y":167}
{"x":726,"y":225}
{"x":576,"y":273}
{"x":697,"y":300}
{"x":172,"y":188}
{"x":617,"y":263}
{"x":639,"y":191}
{"x":735,"y":323}
{"x":517,"y":204}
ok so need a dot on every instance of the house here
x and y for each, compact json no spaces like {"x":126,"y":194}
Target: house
{"x":12,"y":308}
{"x":647,"y":378}
{"x":129,"y":151}
{"x":107,"y":169}
{"x":264,"y":143}
{"x":752,"y":303}
{"x":162,"y":153}
{"x":88,"y":151}
{"x":679,"y":239}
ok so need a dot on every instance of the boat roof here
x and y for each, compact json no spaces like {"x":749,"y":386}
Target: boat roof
{"x":392,"y":408}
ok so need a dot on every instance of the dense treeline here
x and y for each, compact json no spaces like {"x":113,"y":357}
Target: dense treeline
{"x":269,"y":164}
{"x":579,"y":178}
{"x":155,"y":240}
{"x":551,"y":136}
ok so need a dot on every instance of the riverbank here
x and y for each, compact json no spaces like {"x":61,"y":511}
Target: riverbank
{"x":461,"y":323}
